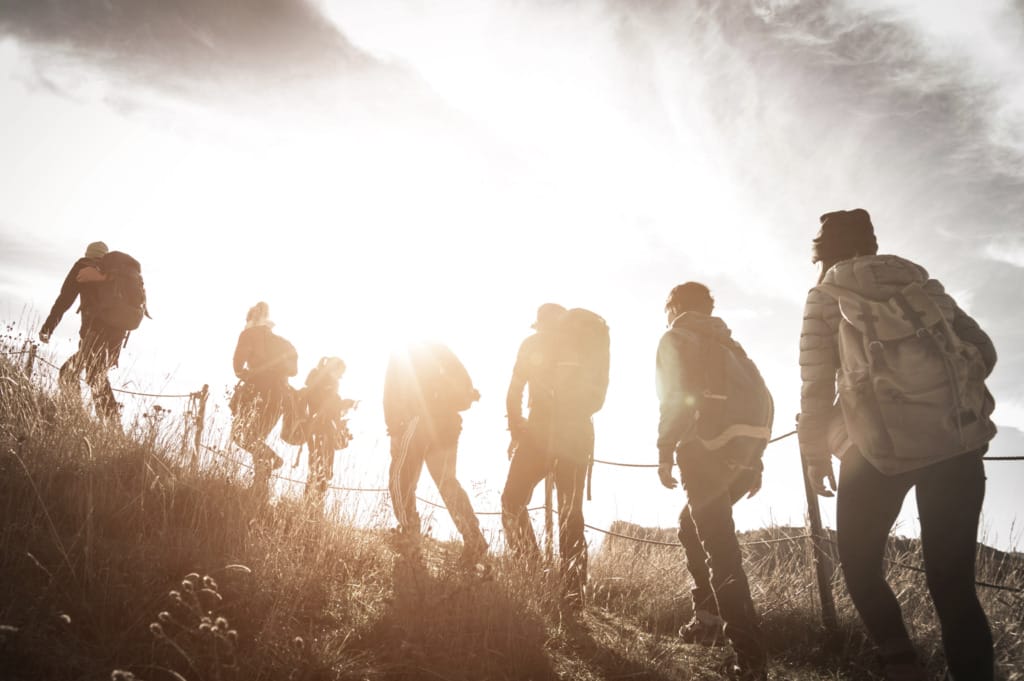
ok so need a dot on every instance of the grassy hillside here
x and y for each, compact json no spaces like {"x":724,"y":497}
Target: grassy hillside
{"x":117,"y":560}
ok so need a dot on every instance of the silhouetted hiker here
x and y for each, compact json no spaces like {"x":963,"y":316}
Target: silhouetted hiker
{"x":565,"y":366}
{"x":112,"y":303}
{"x":716,"y":416}
{"x":327,"y":427}
{"x":263,"y":362}
{"x":908,"y":366}
{"x":425,"y":388}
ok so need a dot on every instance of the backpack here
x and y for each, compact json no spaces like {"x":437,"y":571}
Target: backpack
{"x":445,"y":382}
{"x":909,"y":387}
{"x":582,"y":359}
{"x":120,"y":301}
{"x":280,"y":357}
{"x":295,"y":417}
{"x":734,"y":400}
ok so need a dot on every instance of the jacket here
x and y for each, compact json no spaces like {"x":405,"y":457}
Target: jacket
{"x":427,"y":381}
{"x":876,"y":277}
{"x":254,"y":361}
{"x":681,"y":385}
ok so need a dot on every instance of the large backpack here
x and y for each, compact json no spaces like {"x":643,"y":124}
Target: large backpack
{"x":733,"y":399}
{"x":583,"y":351}
{"x":909,"y":387}
{"x":444,"y":381}
{"x":120,"y":300}
{"x":280,"y":358}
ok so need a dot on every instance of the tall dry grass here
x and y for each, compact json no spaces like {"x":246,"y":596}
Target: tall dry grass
{"x":120,"y":558}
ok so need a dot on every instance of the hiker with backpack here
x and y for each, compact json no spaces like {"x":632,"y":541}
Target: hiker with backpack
{"x":326,"y":426}
{"x":425,"y":389}
{"x":564,"y":365}
{"x":716,"y":417}
{"x":112,"y":304}
{"x":263,"y":362}
{"x":893,"y":373}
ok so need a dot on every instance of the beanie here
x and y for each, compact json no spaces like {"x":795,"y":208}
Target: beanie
{"x":96,"y":250}
{"x":844,"y":234}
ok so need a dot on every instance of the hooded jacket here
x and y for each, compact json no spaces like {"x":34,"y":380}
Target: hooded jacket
{"x":875,"y":277}
{"x":746,"y":408}
{"x":69,"y":291}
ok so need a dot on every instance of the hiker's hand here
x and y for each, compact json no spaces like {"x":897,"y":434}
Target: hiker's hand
{"x":755,"y":486}
{"x":665,"y":473}
{"x":817,"y":474}
{"x":89,"y":275}
{"x":44,"y":336}
{"x":513,"y":445}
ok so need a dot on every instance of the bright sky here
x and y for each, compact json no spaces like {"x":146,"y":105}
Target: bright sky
{"x":388,"y":170}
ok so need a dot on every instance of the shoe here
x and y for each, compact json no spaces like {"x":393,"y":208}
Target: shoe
{"x":705,"y":629}
{"x":902,"y":665}
{"x":749,"y":668}
{"x":277,"y":462}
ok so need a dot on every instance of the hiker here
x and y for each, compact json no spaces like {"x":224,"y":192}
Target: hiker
{"x":110,"y":310}
{"x":425,"y":388}
{"x":565,"y":366}
{"x":263,"y":363}
{"x":327,"y":427}
{"x":716,"y":416}
{"x":907,"y":366}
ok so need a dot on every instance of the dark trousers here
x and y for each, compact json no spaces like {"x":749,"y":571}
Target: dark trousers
{"x":949,"y":498}
{"x":411,"y":448}
{"x":714,"y":481}
{"x":256,"y":409}
{"x":99,"y":349}
{"x":530,"y":465}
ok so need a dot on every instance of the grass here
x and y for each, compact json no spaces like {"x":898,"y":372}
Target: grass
{"x":119,"y":559}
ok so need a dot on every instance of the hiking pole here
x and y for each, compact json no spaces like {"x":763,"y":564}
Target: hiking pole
{"x":822,"y":563}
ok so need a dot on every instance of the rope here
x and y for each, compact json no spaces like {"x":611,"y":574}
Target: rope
{"x":654,"y":465}
{"x":379,"y":490}
{"x":988,"y":585}
{"x":676,"y":544}
{"x":14,"y":353}
{"x":118,"y":390}
{"x":1003,"y":458}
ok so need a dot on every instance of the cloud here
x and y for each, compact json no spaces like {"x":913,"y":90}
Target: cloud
{"x":233,"y":53}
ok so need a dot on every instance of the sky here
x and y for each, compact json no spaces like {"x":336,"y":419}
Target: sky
{"x":385,"y":171}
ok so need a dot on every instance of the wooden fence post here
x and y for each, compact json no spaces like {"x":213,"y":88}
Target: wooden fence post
{"x":549,"y":531}
{"x":30,"y":362}
{"x":204,"y":394}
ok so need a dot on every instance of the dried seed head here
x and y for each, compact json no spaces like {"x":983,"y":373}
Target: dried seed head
{"x":122,"y":675}
{"x":206,"y":620}
{"x":232,"y":635}
{"x":205,"y":628}
{"x":65,"y":618}
{"x":157,"y":630}
{"x":238,"y":568}
{"x":299,"y":643}
{"x":164,"y":617}
{"x":188,"y":586}
{"x":209,"y":582}
{"x":192,"y":577}
{"x":221,"y":623}
{"x":175,"y":595}
{"x":212,"y":594}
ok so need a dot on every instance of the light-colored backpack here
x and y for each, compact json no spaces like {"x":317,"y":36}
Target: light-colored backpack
{"x":912,"y":392}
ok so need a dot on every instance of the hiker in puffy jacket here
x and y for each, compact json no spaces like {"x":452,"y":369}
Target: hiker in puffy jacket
{"x":874,"y":479}
{"x":716,"y":416}
{"x":548,"y":440}
{"x":425,"y":388}
{"x":99,"y":345}
{"x":263,"y":362}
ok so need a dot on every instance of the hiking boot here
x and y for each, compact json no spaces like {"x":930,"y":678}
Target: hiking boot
{"x":276,"y":462}
{"x":705,"y":629}
{"x":749,"y":668}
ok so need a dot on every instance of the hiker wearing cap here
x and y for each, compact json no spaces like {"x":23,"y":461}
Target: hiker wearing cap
{"x":564,"y":366}
{"x":425,"y":389}
{"x":716,"y":417}
{"x":99,"y":345}
{"x":892,"y":364}
{"x":263,"y":362}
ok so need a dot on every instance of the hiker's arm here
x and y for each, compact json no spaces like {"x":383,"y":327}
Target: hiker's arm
{"x":242,"y":350}
{"x":69,"y":290}
{"x":819,"y":361}
{"x":676,"y":399}
{"x":514,"y":396}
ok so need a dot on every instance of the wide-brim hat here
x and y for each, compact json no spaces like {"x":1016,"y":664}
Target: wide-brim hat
{"x":547,"y":314}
